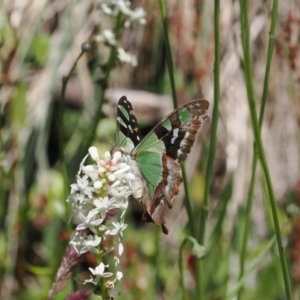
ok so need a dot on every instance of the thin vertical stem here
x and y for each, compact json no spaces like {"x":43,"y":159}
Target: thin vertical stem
{"x":169,"y":52}
{"x":212,"y":149}
{"x":61,"y":110}
{"x":255,"y":154}
{"x":256,"y":130}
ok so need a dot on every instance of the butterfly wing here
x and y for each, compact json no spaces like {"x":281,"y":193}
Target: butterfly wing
{"x":128,"y":133}
{"x":159,"y":153}
{"x":175,"y":135}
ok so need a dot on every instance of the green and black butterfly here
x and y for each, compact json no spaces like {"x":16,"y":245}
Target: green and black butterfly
{"x":155,"y":158}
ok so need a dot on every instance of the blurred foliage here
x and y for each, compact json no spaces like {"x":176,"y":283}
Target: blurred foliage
{"x":39,"y":43}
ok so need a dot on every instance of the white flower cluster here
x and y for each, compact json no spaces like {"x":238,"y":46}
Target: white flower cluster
{"x":113,"y":8}
{"x":127,"y":57}
{"x":101,"y":190}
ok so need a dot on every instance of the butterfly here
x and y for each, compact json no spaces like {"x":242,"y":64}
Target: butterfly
{"x":155,"y":159}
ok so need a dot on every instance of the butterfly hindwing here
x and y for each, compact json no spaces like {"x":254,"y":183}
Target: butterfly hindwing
{"x":128,"y":133}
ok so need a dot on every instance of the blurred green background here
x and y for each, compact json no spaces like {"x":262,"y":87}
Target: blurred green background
{"x":39,"y":43}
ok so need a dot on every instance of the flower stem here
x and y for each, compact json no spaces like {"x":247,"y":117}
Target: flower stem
{"x":61,"y":111}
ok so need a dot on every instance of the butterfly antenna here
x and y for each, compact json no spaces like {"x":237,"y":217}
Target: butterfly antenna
{"x":96,"y":137}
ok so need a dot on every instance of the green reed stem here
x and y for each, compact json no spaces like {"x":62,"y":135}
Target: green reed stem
{"x":245,"y":30}
{"x":169,"y":52}
{"x":255,"y":154}
{"x":212,"y":149}
{"x":185,"y":295}
{"x":215,"y":118}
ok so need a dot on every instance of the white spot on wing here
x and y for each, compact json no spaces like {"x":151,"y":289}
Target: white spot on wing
{"x":183,"y":142}
{"x":179,"y":152}
{"x":175,"y":135}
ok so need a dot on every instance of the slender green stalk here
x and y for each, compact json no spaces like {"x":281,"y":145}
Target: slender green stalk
{"x":65,"y":81}
{"x":255,"y":154}
{"x":168,"y":49}
{"x":188,"y":204}
{"x":212,"y":149}
{"x":256,"y":130}
{"x":185,"y":295}
{"x":102,"y":282}
{"x":215,"y":118}
{"x":197,"y":251}
{"x":100,"y":95}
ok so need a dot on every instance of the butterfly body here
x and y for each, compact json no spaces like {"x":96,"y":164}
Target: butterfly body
{"x":155,"y":160}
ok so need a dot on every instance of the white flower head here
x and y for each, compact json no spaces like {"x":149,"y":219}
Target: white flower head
{"x":107,"y":37}
{"x":114,"y":7}
{"x":99,"y":200}
{"x":126,"y":57}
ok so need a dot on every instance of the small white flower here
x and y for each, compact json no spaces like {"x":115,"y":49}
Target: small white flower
{"x":102,"y":205}
{"x":119,"y":275}
{"x":120,"y":193}
{"x":107,"y":156}
{"x":77,"y":242}
{"x":120,"y":249}
{"x":106,"y":9}
{"x":126,"y":57}
{"x":111,"y":177}
{"x":81,"y":186}
{"x":98,"y":272}
{"x":118,"y":228}
{"x":90,"y":244}
{"x":116,"y":156}
{"x":89,"y":221}
{"x":98,"y":184}
{"x":93,"y":151}
{"x":107,"y":37}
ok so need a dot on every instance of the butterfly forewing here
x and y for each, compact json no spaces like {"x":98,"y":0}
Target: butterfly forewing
{"x":128,"y":133}
{"x":175,"y":135}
